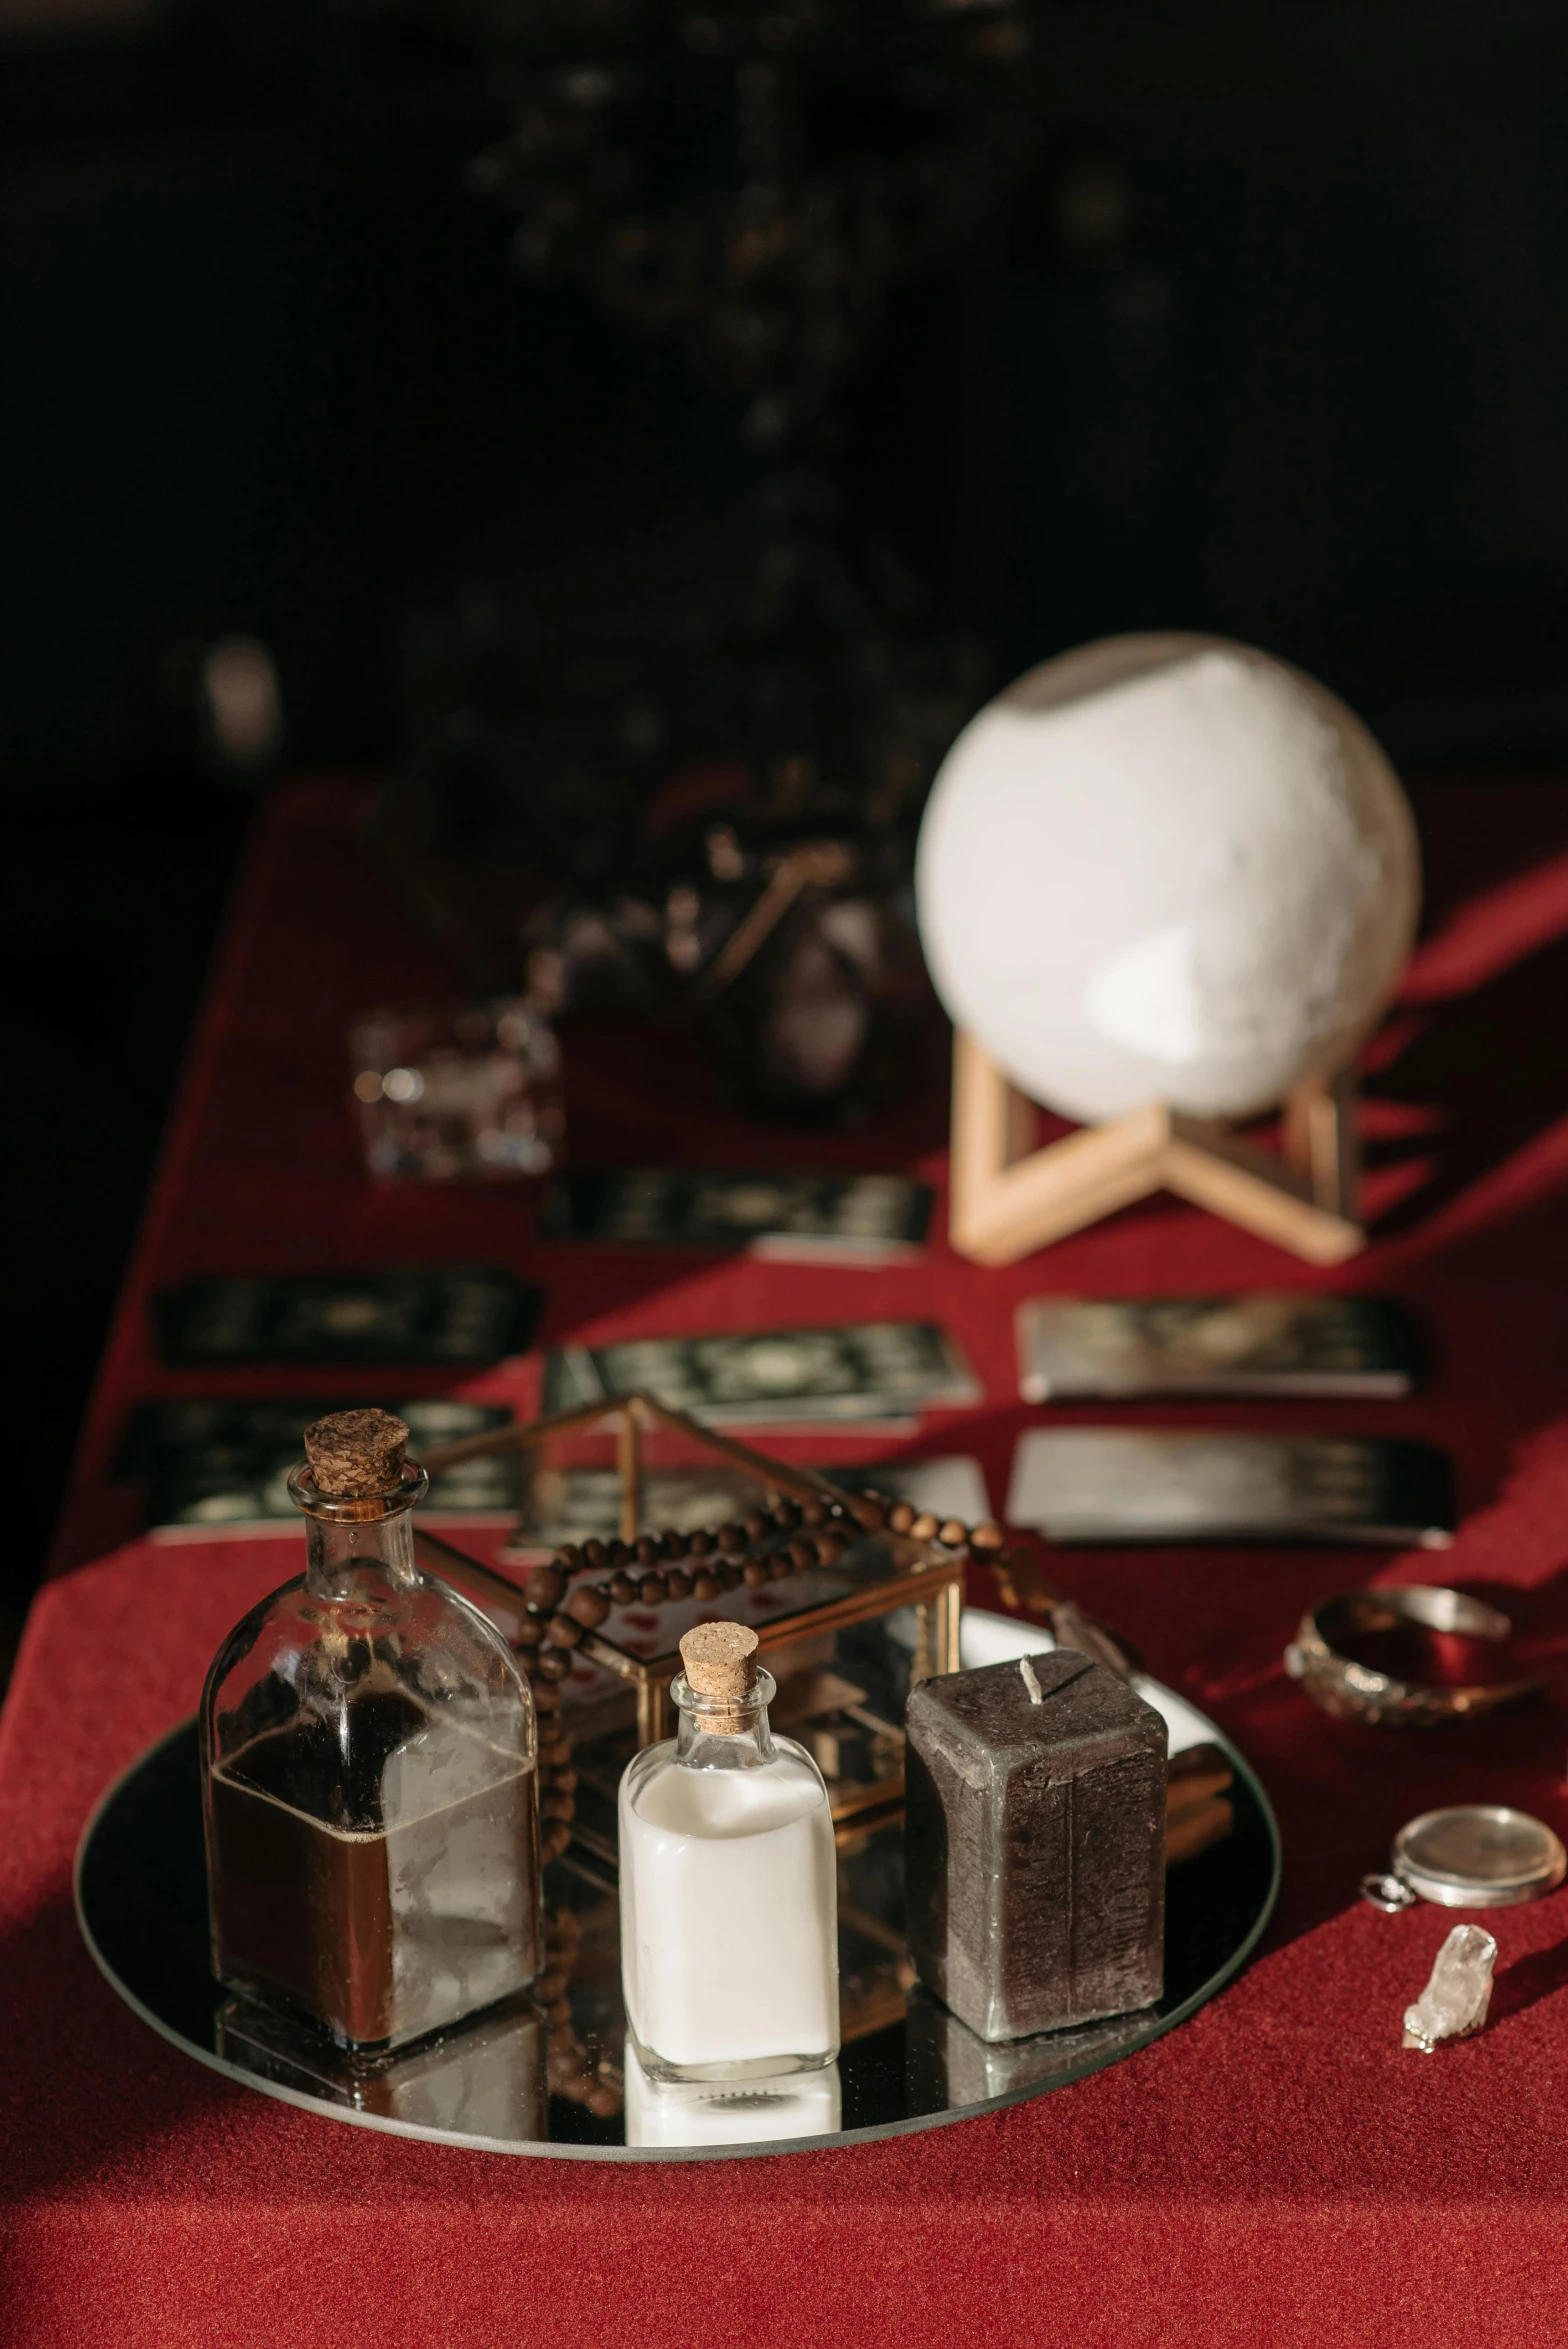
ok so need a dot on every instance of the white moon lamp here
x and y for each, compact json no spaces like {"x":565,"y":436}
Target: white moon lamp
{"x":1164,"y":883}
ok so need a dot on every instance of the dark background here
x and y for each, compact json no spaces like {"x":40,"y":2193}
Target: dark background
{"x":1274,"y":342}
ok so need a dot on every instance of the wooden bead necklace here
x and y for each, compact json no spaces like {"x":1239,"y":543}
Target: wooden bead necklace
{"x":791,"y":1537}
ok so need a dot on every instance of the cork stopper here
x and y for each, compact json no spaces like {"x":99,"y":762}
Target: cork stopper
{"x":356,"y":1454}
{"x":721,"y":1661}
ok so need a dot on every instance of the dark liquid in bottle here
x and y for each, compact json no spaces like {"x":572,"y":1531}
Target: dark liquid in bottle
{"x":384,"y":1930}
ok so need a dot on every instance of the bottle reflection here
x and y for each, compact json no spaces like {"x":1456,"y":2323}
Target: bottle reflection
{"x":730,"y":2112}
{"x":485,"y":2079}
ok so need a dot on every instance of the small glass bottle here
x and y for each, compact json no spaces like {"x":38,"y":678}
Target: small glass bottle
{"x":729,"y":1903}
{"x":369,"y":1775}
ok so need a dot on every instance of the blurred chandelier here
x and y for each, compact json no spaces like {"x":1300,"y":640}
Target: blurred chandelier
{"x":754,"y":177}
{"x":750,"y":178}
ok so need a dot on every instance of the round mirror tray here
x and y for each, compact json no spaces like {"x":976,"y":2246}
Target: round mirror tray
{"x":520,"y":2080}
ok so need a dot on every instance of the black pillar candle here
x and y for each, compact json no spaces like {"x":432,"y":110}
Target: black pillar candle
{"x":1034,"y":1833}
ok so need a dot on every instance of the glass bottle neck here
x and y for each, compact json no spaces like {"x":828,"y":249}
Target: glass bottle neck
{"x":726,"y":1733}
{"x":336,"y":1549}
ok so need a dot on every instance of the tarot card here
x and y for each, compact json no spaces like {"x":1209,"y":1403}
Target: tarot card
{"x":447,"y":1313}
{"x":573,"y":1504}
{"x":1292,"y":1343}
{"x":579,"y":1504}
{"x":952,"y":1486}
{"x":227,"y":1462}
{"x":868,"y":1219}
{"x":861,"y":1370}
{"x":1122,"y":1484}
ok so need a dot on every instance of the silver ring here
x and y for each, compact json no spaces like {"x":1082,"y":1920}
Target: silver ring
{"x":1357,"y":1692}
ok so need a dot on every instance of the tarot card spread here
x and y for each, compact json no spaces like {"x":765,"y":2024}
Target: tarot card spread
{"x":791,"y":1218}
{"x":1104,"y":1484}
{"x":875,"y":1370}
{"x":1290,"y":1344}
{"x":446,"y":1313}
{"x":227,"y":1462}
{"x":578,"y":1504}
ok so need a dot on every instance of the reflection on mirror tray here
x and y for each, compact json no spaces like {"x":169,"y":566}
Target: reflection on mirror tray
{"x":675,"y":2113}
{"x":484,"y":2079}
{"x":949,"y":2065}
{"x":549,"y":2073}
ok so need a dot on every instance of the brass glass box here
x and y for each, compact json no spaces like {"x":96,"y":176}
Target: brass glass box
{"x":845,"y":1634}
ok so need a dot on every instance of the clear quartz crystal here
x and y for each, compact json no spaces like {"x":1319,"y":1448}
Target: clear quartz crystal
{"x":1455,"y":2000}
{"x":729,"y":1902}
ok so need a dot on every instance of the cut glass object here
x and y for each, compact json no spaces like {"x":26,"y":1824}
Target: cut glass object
{"x":1455,"y":2000}
{"x":472,"y":1095}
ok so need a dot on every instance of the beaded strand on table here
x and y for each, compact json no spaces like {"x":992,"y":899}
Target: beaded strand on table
{"x":658,"y":1568}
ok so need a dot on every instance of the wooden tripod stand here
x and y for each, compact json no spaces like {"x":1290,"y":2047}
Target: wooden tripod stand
{"x":1008,"y":1198}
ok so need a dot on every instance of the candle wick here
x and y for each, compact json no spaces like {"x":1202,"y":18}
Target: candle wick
{"x":1026,"y":1674}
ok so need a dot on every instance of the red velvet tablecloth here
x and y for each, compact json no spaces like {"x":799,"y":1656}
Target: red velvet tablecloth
{"x":1278,"y":2171}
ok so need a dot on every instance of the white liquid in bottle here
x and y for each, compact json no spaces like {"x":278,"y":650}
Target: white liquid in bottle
{"x":729,"y":1925}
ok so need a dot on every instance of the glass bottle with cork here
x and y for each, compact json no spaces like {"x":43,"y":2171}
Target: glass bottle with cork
{"x":369,"y":1780}
{"x":729,"y":1907}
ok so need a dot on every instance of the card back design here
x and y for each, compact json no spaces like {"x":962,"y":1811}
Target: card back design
{"x":1105,"y":1484}
{"x":450,"y":1314}
{"x":868,"y":1219}
{"x":859,"y":1371}
{"x":1301,"y":1343}
{"x":227,"y":1461}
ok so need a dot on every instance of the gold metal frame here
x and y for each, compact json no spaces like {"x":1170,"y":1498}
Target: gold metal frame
{"x":926,"y":1575}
